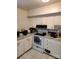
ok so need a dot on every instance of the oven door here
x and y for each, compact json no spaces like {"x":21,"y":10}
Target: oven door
{"x":37,"y":40}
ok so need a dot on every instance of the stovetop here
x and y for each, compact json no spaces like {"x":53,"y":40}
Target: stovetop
{"x":41,"y":34}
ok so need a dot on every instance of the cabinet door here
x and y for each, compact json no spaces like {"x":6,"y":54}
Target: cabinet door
{"x":55,"y":48}
{"x":24,"y":45}
{"x":20,"y":47}
{"x":28,"y":43}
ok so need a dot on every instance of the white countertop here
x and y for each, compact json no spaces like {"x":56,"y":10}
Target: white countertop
{"x":31,"y":34}
{"x":24,"y":36}
{"x":49,"y":37}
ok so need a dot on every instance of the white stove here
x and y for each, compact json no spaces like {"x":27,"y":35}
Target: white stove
{"x":38,"y":43}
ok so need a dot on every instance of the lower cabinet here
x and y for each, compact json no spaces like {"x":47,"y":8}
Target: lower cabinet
{"x":27,"y":43}
{"x":20,"y":47}
{"x":53,"y":47}
{"x":24,"y":45}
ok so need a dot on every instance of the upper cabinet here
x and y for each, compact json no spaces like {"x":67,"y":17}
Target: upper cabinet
{"x":46,"y":10}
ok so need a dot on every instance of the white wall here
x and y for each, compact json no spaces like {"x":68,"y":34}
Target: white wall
{"x":56,"y":7}
{"x":50,"y":20}
{"x":22,"y":20}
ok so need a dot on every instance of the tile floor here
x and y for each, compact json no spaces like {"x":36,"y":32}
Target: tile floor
{"x":33,"y":54}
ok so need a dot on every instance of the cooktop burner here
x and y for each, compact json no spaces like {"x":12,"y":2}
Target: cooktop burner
{"x":41,"y":34}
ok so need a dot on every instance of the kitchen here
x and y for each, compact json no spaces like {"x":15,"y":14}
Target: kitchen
{"x":38,"y":29}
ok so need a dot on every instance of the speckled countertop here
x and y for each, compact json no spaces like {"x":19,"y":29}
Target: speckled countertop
{"x":49,"y":37}
{"x":32,"y":34}
{"x":24,"y":36}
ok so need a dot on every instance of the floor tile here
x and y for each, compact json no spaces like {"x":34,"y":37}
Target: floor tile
{"x":33,"y":54}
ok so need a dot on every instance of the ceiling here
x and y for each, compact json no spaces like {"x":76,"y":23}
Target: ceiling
{"x":31,"y":4}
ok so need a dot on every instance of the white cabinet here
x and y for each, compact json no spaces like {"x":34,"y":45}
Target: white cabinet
{"x":28,"y":43}
{"x":24,"y":45}
{"x":53,"y":46}
{"x":20,"y":47}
